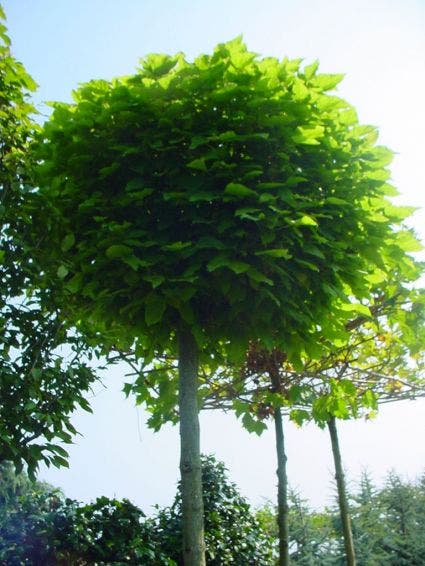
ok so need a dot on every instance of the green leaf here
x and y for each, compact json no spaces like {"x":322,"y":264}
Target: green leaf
{"x":308,"y":135}
{"x":118,"y":251}
{"x":206,"y":242}
{"x":310,"y":70}
{"x":127,"y":389}
{"x":156,"y":65}
{"x":68,"y":242}
{"x":238,"y":190}
{"x":155,"y":280}
{"x":335,"y":200}
{"x":356,"y":308}
{"x":258,"y":277}
{"x":133,"y":261}
{"x":198,"y":164}
{"x":327,"y":82}
{"x":176,"y":246}
{"x":369,"y":400}
{"x":198,"y":141}
{"x":277,"y":252}
{"x":221,"y":261}
{"x":62,"y":272}
{"x":347,"y":387}
{"x":299,"y":416}
{"x":408,"y":242}
{"x":75,"y":283}
{"x":305,"y":221}
{"x":271,"y":185}
{"x":134,"y":185}
{"x":253,"y":425}
{"x":307,"y":264}
{"x":295,"y":393}
{"x":154,"y":310}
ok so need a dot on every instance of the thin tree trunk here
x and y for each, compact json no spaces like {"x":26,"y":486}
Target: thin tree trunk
{"x":282,"y":490}
{"x":190,"y":458}
{"x":342,"y":495}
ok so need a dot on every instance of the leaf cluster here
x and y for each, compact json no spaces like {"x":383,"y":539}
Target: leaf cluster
{"x":380,"y":360}
{"x":43,"y":366}
{"x":232,"y":194}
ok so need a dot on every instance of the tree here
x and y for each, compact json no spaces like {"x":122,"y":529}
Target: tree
{"x":23,"y":506}
{"x":381,"y":361}
{"x":312,"y":535}
{"x":43,"y":365}
{"x":38,"y":525}
{"x":388,"y":525}
{"x":196,"y":203}
{"x":232,"y":533}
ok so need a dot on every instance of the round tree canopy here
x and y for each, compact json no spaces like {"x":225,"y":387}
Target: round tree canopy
{"x":230,"y":194}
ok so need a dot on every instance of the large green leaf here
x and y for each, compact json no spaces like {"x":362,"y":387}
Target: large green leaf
{"x":239,"y":190}
{"x":154,"y":310}
{"x":118,"y":251}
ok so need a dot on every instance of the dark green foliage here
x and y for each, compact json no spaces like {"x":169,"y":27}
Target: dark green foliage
{"x":232,"y":534}
{"x":403,"y":505}
{"x":26,"y":510}
{"x":104,"y":532}
{"x":43,"y":367}
{"x":40,"y":528}
{"x":41,"y":385}
{"x":388,"y":526}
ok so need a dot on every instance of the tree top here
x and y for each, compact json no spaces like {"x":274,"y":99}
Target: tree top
{"x":232,"y":194}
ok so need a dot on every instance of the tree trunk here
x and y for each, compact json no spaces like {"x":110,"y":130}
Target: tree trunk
{"x":342,"y":495}
{"x":282,"y":490}
{"x":190,"y":458}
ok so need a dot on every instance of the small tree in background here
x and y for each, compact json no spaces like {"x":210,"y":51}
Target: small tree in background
{"x":381,"y":361}
{"x":388,"y":525}
{"x":232,"y":533}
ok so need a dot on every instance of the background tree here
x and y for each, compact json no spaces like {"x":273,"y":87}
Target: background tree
{"x":195,"y":204}
{"x":381,"y":361}
{"x":232,"y":533}
{"x":42,"y":527}
{"x":39,"y":526}
{"x":44,"y":368}
{"x":317,"y":538}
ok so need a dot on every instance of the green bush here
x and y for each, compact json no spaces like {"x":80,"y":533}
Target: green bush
{"x":232,"y":533}
{"x":40,"y":528}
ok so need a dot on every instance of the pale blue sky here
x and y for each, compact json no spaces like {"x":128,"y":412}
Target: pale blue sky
{"x":380,"y":45}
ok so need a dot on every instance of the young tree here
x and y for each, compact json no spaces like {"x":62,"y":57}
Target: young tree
{"x":44,"y":370}
{"x":201,"y":205}
{"x":388,"y":525}
{"x":381,"y":361}
{"x":232,"y":533}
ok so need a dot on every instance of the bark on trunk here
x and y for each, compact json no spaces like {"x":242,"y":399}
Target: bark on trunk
{"x":282,"y":490}
{"x":190,"y":459}
{"x":342,"y":495}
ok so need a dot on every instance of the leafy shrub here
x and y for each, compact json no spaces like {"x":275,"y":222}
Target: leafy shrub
{"x":232,"y":533}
